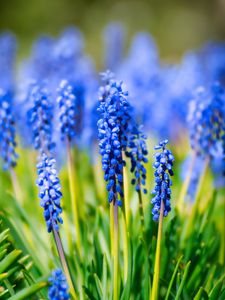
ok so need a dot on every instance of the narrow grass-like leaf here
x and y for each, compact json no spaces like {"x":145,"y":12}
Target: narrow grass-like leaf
{"x":183,"y":281}
{"x":173,"y":278}
{"x":29,"y":291}
{"x":9,"y":259}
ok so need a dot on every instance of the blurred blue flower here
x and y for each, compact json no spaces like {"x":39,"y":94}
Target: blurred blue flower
{"x":7,"y":61}
{"x":58,"y":289}
{"x":163,"y":165}
{"x":40,"y":117}
{"x":69,"y":112}
{"x":49,"y":192}
{"x":7,"y":132}
{"x":207,"y":120}
{"x":114,"y":35}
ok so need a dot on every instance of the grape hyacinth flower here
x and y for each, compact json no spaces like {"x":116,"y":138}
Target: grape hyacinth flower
{"x":39,"y":118}
{"x":58,"y":289}
{"x":49,"y":192}
{"x":118,"y":132}
{"x":114,"y":40}
{"x":163,"y":165}
{"x":137,"y":153}
{"x":111,"y":142}
{"x":69,"y":113}
{"x":7,"y":132}
{"x":207,"y":120}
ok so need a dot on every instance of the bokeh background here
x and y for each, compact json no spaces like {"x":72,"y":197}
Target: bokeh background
{"x":176,"y":25}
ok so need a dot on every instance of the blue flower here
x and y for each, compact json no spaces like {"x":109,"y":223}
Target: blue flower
{"x":114,"y":45}
{"x":163,"y":170}
{"x":7,"y":132}
{"x":58,"y":289}
{"x":49,"y":192}
{"x":112,"y":135}
{"x":7,"y":61}
{"x":137,"y":152}
{"x":39,"y":119}
{"x":118,"y":133}
{"x":70,"y":114}
{"x":207,"y":120}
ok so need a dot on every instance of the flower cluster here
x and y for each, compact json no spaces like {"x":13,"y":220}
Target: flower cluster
{"x":49,"y":192}
{"x":7,"y":61}
{"x":58,"y":289}
{"x":112,"y":110}
{"x":69,"y":113}
{"x":7,"y":132}
{"x":39,"y":119}
{"x":114,"y":40}
{"x":163,"y":165}
{"x":118,"y":132}
{"x":207,"y":120}
{"x":137,"y":152}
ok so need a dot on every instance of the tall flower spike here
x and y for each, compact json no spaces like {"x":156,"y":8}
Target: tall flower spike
{"x":130,"y":136}
{"x":58,"y":289}
{"x":207,"y":120}
{"x":49,"y":192}
{"x":7,"y":132}
{"x":163,"y":165}
{"x":137,"y":152}
{"x":39,"y":118}
{"x":69,"y":113}
{"x":112,"y":134}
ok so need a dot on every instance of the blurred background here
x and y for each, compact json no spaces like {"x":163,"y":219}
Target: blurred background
{"x":176,"y":25}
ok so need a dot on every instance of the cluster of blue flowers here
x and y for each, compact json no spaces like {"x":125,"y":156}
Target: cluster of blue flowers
{"x":58,"y":289}
{"x":207,"y":120}
{"x":69,"y":112}
{"x":40,"y":117}
{"x":7,"y":132}
{"x":118,"y":133}
{"x":137,"y":152}
{"x":163,"y":165}
{"x":49,"y":192}
{"x":111,"y":137}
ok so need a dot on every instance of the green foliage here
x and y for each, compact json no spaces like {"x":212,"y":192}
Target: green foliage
{"x":16,"y":274}
{"x":192,"y":265}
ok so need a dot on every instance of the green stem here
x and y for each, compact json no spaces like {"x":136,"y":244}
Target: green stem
{"x":196,"y":201}
{"x":186,"y":183}
{"x":64,"y":264}
{"x":141,"y":211}
{"x":125,"y":191}
{"x":115,"y":251}
{"x":73,"y":194}
{"x":155,"y":285}
{"x":16,"y":186}
{"x":172,"y":279}
{"x":182,"y":281}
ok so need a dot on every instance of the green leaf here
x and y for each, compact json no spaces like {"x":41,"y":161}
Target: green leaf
{"x":201,"y":295}
{"x":183,"y":281}
{"x":98,"y":286}
{"x":214,"y":294}
{"x":29,"y":291}
{"x":9,"y":259}
{"x":173,"y":278}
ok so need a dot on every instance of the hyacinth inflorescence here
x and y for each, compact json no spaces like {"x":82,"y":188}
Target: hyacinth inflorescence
{"x":69,"y":115}
{"x":137,"y":152}
{"x":39,"y":118}
{"x":58,"y":289}
{"x":119,"y":133}
{"x":207,"y":120}
{"x":7,"y":132}
{"x":163,"y":170}
{"x":49,"y":192}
